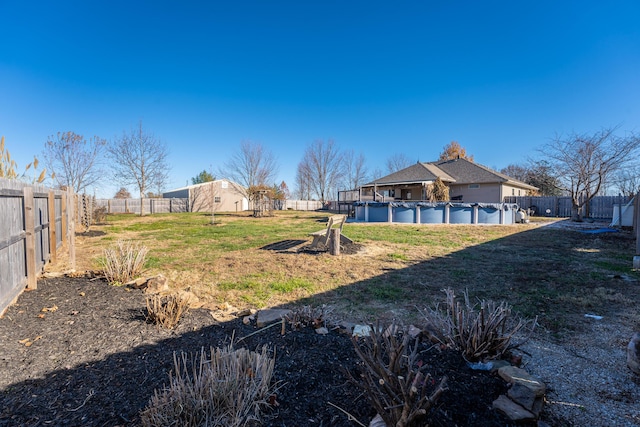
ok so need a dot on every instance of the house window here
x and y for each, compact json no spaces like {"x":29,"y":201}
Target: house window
{"x":474,"y":186}
{"x":216,"y":199}
{"x":518,"y":192}
{"x":513,"y":191}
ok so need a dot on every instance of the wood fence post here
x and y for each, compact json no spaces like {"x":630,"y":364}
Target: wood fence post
{"x":29,"y":228}
{"x":63,"y":214}
{"x":53,"y":244}
{"x":334,"y":241}
{"x":71,"y":230}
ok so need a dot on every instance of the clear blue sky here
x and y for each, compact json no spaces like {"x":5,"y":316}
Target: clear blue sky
{"x":381,"y":78}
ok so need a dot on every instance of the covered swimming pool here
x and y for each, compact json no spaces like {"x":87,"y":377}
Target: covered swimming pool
{"x":438,"y":213}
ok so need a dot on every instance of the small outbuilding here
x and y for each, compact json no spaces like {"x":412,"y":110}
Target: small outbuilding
{"x":223,"y":195}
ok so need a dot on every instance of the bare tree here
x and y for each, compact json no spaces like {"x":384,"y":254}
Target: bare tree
{"x":139,"y":158}
{"x":355,"y":170}
{"x":627,"y":181}
{"x":74,"y":159}
{"x":397,"y":162}
{"x":303,"y":182}
{"x":122,"y":193}
{"x":516,"y":171}
{"x":538,"y":173}
{"x":322,"y":168}
{"x":585,"y":162}
{"x":454,"y":150}
{"x":252,"y":165}
{"x":376,"y":173}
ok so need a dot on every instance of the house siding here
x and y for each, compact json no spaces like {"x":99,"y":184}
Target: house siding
{"x":487,"y":193}
{"x":201,"y":197}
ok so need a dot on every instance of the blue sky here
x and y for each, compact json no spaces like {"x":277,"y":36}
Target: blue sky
{"x":381,"y":78}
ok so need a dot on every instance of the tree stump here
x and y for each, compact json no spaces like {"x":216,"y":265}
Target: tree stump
{"x":334,"y":241}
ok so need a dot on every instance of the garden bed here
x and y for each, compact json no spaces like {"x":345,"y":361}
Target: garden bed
{"x":80,"y":352}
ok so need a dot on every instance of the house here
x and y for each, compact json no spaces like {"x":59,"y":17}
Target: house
{"x":226,"y":196}
{"x":468,"y":182}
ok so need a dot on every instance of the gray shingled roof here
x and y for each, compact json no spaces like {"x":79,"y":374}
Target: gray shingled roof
{"x":459,"y":171}
{"x":419,"y":172}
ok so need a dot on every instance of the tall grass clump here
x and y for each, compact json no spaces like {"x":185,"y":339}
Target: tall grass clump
{"x":395,"y":382}
{"x":166,"y":310}
{"x":123,"y":262}
{"x":228,"y":387}
{"x":480,"y":333}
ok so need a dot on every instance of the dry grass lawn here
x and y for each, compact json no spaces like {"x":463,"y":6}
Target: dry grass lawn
{"x":556,"y":273}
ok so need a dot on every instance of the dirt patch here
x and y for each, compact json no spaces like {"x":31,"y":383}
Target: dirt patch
{"x":79,"y":352}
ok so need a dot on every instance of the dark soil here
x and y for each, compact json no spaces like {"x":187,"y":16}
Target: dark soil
{"x":80,"y":352}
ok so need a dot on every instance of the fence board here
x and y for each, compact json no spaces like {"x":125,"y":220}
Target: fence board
{"x":31,"y":226}
{"x":600,"y":207}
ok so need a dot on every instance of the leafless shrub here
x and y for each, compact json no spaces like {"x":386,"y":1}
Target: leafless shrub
{"x":228,"y":389}
{"x":166,"y":310}
{"x":304,"y":316}
{"x":481,"y":334}
{"x":99,"y":214}
{"x":124,"y":262}
{"x":397,"y":386}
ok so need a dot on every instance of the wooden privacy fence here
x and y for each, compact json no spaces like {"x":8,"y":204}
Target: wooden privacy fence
{"x":600,"y":207}
{"x":35,"y":222}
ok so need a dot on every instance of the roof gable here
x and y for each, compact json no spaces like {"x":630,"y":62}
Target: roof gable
{"x":468,"y":172}
{"x":455,"y":171}
{"x":418,"y":172}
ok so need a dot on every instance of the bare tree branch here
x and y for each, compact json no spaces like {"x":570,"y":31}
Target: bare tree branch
{"x":322,"y":168}
{"x":397,"y":162}
{"x":75,"y":160}
{"x":585,"y":162}
{"x":252,"y":165}
{"x":139,"y":158}
{"x":355,"y":170}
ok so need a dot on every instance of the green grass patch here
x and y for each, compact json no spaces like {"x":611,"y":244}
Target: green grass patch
{"x":398,"y":257}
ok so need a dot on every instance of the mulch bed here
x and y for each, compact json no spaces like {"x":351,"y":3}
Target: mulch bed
{"x":80,"y":352}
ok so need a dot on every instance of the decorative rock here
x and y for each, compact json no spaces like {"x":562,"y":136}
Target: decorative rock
{"x":633,"y":353}
{"x":512,"y":410}
{"x":157,"y":284}
{"x":497,"y":364}
{"x":526,"y":398}
{"x":246,"y":320}
{"x":346,"y":327}
{"x":516,"y":375}
{"x":377,"y":421}
{"x":139,"y":283}
{"x":361,"y":330}
{"x":246,"y":312}
{"x":414,"y":332}
{"x":265,"y":317}
{"x":322,"y":330}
